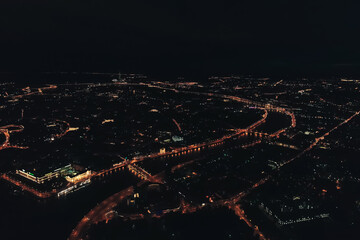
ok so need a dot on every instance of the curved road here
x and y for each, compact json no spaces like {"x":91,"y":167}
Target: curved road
{"x":98,"y":213}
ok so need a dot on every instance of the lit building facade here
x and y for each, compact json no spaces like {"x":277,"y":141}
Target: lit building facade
{"x":60,"y":172}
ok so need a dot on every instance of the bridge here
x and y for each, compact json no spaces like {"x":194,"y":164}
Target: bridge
{"x":143,"y":174}
{"x":139,"y":172}
{"x":115,"y":168}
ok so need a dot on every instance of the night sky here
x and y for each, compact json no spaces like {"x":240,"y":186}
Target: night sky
{"x":180,"y":37}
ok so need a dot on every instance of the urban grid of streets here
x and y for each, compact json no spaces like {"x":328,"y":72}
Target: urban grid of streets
{"x":99,"y":213}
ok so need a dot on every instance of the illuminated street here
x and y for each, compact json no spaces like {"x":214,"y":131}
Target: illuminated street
{"x":188,"y":148}
{"x":179,"y":120}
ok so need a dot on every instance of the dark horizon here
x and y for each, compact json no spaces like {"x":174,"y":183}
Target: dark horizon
{"x":181,"y":38}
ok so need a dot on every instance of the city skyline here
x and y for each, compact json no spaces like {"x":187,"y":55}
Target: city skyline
{"x":179,"y":120}
{"x":183,"y":149}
